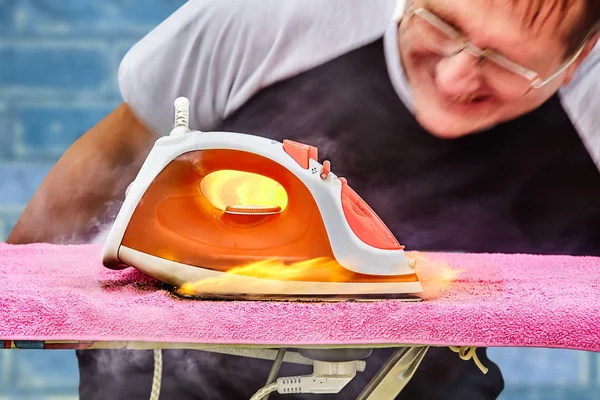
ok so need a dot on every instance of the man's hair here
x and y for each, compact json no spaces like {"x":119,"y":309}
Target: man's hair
{"x":587,"y":24}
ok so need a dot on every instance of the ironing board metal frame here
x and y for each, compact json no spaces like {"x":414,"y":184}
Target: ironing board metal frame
{"x":392,"y":377}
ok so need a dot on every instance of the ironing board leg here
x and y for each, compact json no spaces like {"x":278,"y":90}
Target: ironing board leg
{"x":395,"y":374}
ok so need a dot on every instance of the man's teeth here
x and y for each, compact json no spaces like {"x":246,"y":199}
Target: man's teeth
{"x":465,"y":98}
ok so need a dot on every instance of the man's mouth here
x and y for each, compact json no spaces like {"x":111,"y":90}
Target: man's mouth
{"x":470,"y":98}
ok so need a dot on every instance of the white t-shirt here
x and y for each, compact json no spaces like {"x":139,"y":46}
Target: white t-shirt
{"x":221,"y":53}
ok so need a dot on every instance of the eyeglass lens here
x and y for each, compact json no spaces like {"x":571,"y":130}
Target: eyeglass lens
{"x":445,"y":44}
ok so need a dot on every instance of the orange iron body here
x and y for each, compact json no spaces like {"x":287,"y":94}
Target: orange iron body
{"x":227,"y":215}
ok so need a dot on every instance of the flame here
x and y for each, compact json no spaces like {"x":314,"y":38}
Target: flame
{"x":277,"y":269}
{"x":322,"y":268}
{"x":229,"y":187}
{"x":435,"y":275}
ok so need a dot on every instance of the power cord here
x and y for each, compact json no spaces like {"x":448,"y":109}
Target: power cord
{"x":156,"y":378}
{"x":469,"y":352}
{"x":264,"y":392}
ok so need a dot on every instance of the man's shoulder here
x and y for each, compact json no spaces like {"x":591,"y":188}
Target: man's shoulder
{"x":581,"y":100}
{"x":230,"y":49}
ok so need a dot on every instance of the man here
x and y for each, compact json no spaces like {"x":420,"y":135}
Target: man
{"x":511,"y":82}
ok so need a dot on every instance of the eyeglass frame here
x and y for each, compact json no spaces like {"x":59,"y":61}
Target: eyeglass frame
{"x":536,"y":82}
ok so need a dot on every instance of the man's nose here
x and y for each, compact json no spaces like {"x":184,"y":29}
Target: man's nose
{"x":458,"y":74}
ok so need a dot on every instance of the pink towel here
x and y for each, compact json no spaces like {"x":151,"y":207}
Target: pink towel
{"x":54,"y":293}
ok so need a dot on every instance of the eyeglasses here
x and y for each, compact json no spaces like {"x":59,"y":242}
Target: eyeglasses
{"x":498,"y":71}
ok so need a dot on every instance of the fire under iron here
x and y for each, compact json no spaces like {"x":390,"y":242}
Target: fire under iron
{"x":235,"y":216}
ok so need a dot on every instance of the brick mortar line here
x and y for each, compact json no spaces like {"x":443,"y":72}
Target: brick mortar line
{"x":133,"y":31}
{"x":28,"y":164}
{"x":69,"y":42}
{"x":81,"y":103}
{"x":10,"y":209}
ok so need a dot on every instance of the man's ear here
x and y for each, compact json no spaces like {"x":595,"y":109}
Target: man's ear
{"x":587,"y":49}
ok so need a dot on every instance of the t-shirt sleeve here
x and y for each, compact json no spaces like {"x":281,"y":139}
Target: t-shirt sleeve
{"x":581,"y":100}
{"x":219,"y":53}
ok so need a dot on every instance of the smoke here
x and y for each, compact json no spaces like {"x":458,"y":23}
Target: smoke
{"x":100,"y":227}
{"x":101,"y":237}
{"x":328,"y":148}
{"x":123,"y":373}
{"x":115,"y":373}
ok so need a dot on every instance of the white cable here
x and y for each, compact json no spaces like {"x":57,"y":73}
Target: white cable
{"x":265,"y":391}
{"x":156,"y":378}
{"x":469,"y":352}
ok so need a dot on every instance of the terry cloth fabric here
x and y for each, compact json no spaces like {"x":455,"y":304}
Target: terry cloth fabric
{"x":52,"y":292}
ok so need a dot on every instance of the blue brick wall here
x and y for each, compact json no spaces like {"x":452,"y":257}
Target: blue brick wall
{"x":58,"y":65}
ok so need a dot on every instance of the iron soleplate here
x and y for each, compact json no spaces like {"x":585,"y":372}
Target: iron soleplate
{"x":305,"y":298}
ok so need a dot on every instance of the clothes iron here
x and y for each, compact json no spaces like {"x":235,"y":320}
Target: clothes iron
{"x":231,"y":215}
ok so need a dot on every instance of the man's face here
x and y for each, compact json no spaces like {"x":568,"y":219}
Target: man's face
{"x":452,"y":95}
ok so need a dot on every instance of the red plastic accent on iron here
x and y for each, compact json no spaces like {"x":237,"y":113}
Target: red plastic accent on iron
{"x":326,"y":169}
{"x":365,"y":223}
{"x":300,"y":152}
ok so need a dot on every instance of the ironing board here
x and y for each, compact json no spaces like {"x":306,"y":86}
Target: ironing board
{"x":60,"y":297}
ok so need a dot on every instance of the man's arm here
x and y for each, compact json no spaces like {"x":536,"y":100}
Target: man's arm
{"x":69,"y":205}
